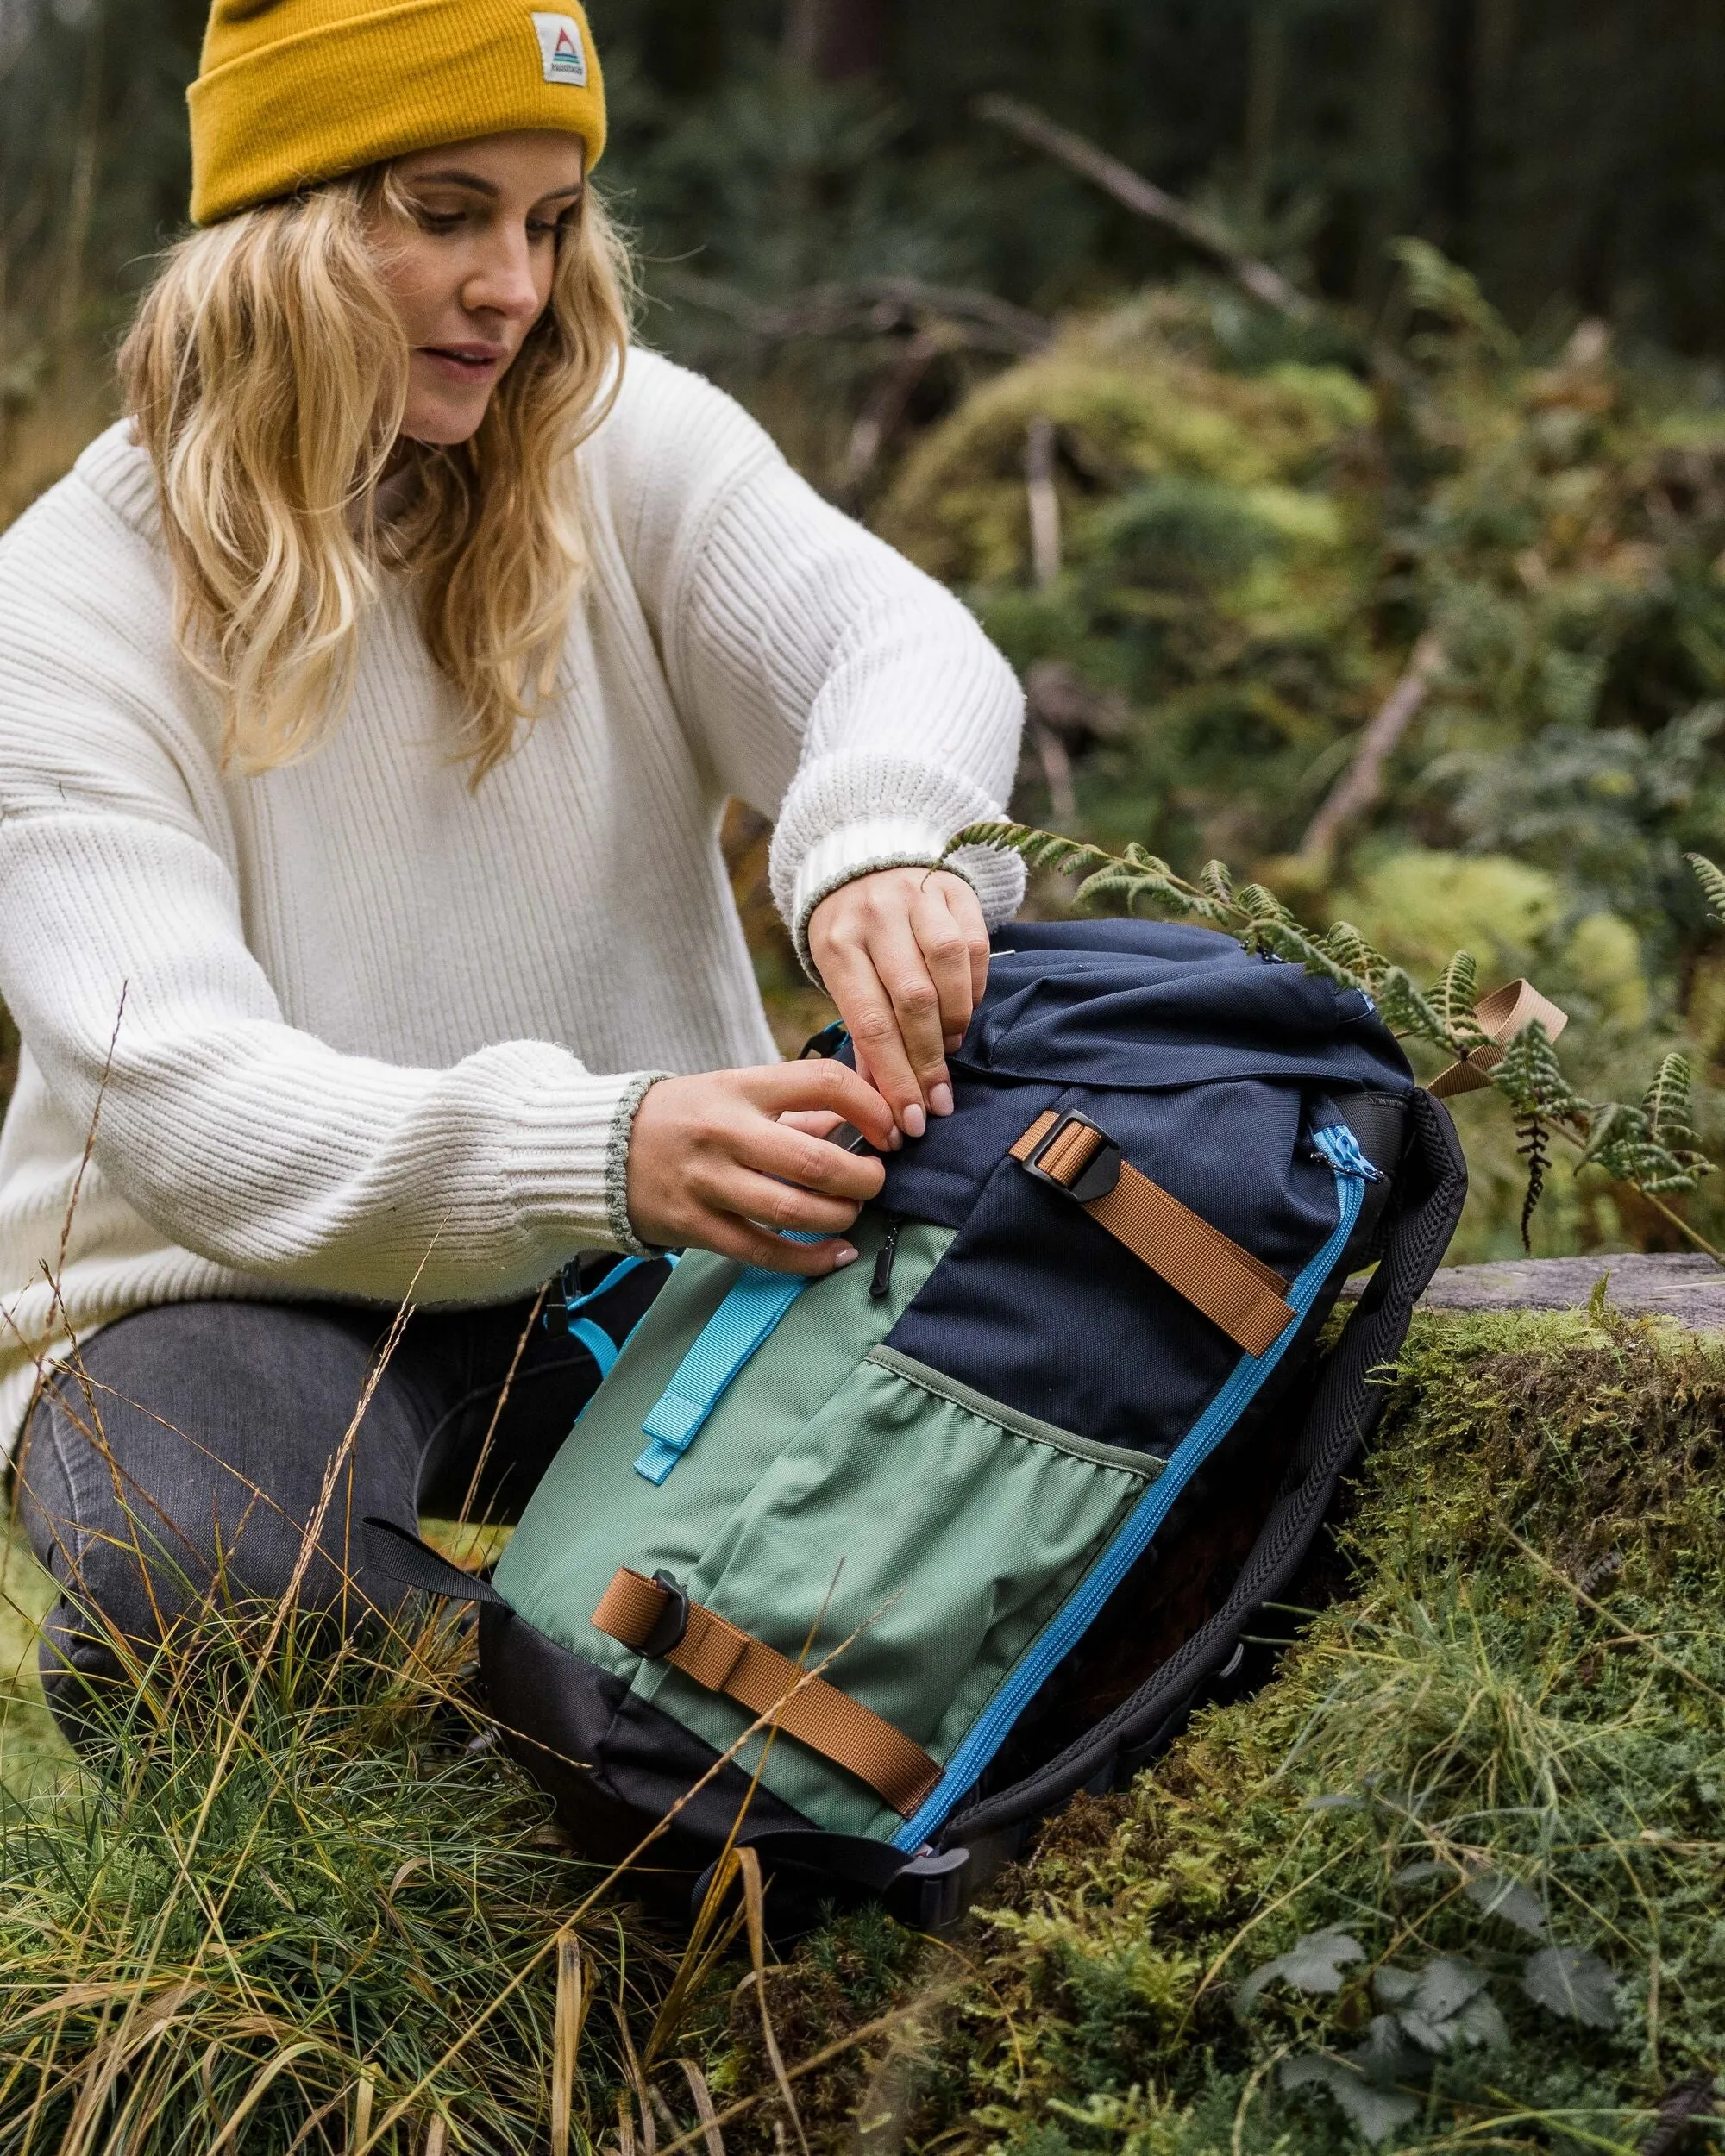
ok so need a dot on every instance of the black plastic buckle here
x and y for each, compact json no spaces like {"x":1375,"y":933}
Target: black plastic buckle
{"x":1097,"y":1180}
{"x":672,"y":1623}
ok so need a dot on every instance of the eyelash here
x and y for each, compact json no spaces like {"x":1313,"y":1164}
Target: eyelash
{"x":448,"y":222}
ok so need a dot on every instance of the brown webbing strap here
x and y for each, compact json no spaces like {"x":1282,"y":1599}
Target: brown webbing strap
{"x":1501,"y":1015}
{"x":724,"y":1659}
{"x":1231,"y":1287}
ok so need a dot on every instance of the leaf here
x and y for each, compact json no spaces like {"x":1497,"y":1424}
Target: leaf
{"x":1394,"y":1987}
{"x":1311,"y":1964}
{"x":1568,"y":1981}
{"x":1712,"y":884}
{"x":1668,"y":1104}
{"x":1376,"y":2112}
{"x":1481,"y":2025}
{"x":1446,"y":1989}
{"x":1446,"y":1986}
{"x":1499,"y":1894}
{"x":1425,"y":1868}
{"x":1453,"y":997}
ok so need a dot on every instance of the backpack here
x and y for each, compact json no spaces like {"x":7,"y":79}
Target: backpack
{"x":873,"y":1572}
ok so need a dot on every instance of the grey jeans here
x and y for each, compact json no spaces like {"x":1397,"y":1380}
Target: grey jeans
{"x":196,"y":1440}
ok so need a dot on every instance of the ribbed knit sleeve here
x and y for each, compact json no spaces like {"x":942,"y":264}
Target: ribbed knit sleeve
{"x":125,"y":959}
{"x":829,"y":681}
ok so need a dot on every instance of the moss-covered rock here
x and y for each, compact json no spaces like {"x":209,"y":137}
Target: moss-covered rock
{"x":1471,"y":1838}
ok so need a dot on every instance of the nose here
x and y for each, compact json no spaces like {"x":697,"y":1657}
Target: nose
{"x":502,"y":281}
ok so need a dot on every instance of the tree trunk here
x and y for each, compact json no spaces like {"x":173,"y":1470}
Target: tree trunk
{"x":838,"y":41}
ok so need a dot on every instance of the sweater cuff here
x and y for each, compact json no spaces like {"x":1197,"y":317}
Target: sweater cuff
{"x":857,"y":850}
{"x":569,"y":1159}
{"x":851,"y":813}
{"x":617,"y":1164}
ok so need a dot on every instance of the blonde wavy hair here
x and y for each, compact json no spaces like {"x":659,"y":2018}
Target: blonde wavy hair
{"x":267,"y":373}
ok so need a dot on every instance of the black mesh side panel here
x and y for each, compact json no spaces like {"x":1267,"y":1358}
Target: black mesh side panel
{"x":1431,"y":1191}
{"x":612,"y":1764}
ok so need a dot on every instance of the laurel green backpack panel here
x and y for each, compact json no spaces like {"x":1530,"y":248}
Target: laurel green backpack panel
{"x":592,"y":1512}
{"x":929,"y":1528}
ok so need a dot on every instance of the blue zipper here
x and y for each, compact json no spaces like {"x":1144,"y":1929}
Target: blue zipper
{"x":1069,"y":1623}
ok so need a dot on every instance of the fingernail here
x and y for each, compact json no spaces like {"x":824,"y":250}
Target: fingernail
{"x":940,"y":1099}
{"x":845,"y":1256}
{"x":914,"y":1122}
{"x":952,"y":1041}
{"x":898,"y":1138}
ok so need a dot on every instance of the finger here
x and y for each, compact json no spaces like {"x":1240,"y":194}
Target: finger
{"x":779,"y":1207}
{"x":905,"y":974}
{"x":809,"y":1163}
{"x":740,"y":1239}
{"x":866,"y":1006}
{"x":822,"y":1084}
{"x":818,"y":1122}
{"x":966,"y":909}
{"x":947,"y":955}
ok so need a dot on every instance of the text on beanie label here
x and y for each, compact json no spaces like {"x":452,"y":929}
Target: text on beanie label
{"x":560,"y":49}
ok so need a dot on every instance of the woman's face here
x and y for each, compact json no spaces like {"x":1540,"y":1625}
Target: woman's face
{"x":470,"y":271}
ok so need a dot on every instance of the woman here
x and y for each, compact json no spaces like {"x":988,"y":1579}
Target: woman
{"x":369,"y":699}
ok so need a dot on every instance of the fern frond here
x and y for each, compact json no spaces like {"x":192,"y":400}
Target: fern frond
{"x":1215,"y":882}
{"x":1712,"y":882}
{"x":1651,"y":1147}
{"x":1038,"y":849}
{"x":1669,"y":1103}
{"x":1344,"y":943}
{"x":1454,"y":997}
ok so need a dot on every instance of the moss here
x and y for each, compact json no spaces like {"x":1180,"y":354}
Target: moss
{"x":1526,"y":1687}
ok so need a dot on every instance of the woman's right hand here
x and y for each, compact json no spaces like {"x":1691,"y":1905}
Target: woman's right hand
{"x":712,"y":1166}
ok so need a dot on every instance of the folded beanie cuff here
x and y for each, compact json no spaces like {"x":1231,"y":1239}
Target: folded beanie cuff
{"x":302,"y":92}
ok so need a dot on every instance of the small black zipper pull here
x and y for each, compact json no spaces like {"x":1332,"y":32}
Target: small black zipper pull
{"x":882,"y":1283}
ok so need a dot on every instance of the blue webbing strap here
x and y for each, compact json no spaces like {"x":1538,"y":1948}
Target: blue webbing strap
{"x":726,"y":1342}
{"x":591,"y":1335}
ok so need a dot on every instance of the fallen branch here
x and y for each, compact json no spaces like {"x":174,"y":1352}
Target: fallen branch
{"x":1362,"y":783}
{"x":1145,"y":199}
{"x":870,"y":307}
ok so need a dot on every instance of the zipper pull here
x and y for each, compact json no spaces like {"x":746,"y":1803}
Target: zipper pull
{"x":880,"y":1285}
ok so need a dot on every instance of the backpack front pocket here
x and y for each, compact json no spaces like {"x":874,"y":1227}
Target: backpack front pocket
{"x":917,"y":1533}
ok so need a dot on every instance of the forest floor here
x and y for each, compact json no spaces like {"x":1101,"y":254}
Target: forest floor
{"x":1451,"y":1878}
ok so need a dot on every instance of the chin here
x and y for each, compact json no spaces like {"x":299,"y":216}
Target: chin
{"x":442,"y":420}
{"x":442,"y":430}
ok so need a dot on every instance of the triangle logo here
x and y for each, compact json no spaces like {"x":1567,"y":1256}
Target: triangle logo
{"x":562,"y":55}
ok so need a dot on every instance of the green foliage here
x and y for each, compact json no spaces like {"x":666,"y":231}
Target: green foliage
{"x":1649,"y":1148}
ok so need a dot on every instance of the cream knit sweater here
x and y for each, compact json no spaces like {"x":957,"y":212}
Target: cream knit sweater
{"x":355,"y":1030}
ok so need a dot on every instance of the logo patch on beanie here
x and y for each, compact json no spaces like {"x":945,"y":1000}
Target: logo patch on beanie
{"x":560,"y":49}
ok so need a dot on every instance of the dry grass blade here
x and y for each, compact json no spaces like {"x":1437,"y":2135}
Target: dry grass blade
{"x":364,"y":2095}
{"x":254,"y":2095}
{"x":754,"y":1903}
{"x":568,"y":2014}
{"x":638,"y":2083}
{"x":712,"y":2139}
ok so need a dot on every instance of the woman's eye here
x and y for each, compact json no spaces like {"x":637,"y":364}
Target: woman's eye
{"x":439,"y":220}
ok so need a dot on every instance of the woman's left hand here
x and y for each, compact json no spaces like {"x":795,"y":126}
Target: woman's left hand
{"x":904,"y":956}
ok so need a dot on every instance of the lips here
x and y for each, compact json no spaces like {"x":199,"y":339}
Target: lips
{"x":464,"y":362}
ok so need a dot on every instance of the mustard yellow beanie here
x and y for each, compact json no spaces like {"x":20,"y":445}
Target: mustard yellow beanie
{"x":292,"y":91}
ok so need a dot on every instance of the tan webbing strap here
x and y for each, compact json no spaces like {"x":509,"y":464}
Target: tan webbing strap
{"x":1504,"y":1013}
{"x":724,"y":1659}
{"x":1231,"y":1287}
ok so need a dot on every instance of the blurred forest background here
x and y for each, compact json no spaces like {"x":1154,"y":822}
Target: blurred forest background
{"x":1322,"y":401}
